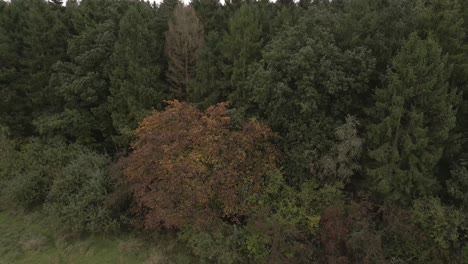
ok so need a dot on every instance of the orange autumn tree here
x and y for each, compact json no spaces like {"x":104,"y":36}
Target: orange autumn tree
{"x":190,"y":167}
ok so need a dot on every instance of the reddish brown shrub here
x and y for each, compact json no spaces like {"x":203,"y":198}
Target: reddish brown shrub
{"x":346,"y":235}
{"x":189,"y":167}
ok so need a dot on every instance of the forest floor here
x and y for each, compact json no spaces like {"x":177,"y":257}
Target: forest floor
{"x":25,"y":239}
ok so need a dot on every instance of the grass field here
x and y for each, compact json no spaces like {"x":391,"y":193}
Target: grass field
{"x":25,"y":239}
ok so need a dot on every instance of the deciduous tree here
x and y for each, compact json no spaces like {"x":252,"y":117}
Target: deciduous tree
{"x":189,"y":167}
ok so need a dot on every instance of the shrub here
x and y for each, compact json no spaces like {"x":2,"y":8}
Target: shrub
{"x":9,"y":158}
{"x":77,"y":198}
{"x":441,"y":224}
{"x":347,"y":235}
{"x":221,"y":243}
{"x":32,"y":168}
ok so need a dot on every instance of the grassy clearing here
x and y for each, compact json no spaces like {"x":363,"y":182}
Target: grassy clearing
{"x":25,"y":239}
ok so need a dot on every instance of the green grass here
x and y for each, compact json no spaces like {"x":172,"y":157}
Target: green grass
{"x":25,"y":239}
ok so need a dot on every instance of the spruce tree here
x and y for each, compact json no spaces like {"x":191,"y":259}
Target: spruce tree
{"x":443,"y":19}
{"x":242,"y":45}
{"x":33,"y":39}
{"x":45,"y":43}
{"x":414,"y":115}
{"x":136,"y":85}
{"x":183,"y":40}
{"x":81,"y":81}
{"x":381,"y":26}
{"x":211,"y":14}
{"x":10,"y":94}
{"x":210,"y":85}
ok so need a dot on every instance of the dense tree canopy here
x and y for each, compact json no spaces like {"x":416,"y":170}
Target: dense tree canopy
{"x":308,"y":131}
{"x":415,"y":114}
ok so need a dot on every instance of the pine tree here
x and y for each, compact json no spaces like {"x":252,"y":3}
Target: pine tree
{"x":81,"y":81}
{"x":381,"y":26}
{"x":210,"y":85}
{"x":136,"y":85}
{"x":45,"y":43}
{"x":211,"y":14}
{"x":414,"y":115}
{"x":443,"y":20}
{"x":166,"y":11}
{"x":241,"y":46}
{"x":33,"y":39}
{"x":183,"y":39}
{"x":463,"y":110}
{"x":10,"y":95}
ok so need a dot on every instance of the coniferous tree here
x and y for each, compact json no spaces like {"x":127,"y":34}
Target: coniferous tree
{"x":414,"y":115}
{"x":45,"y":43}
{"x":183,"y":39}
{"x":443,"y":19}
{"x":463,"y":110}
{"x":81,"y":82}
{"x":379,"y":25}
{"x":166,"y":11}
{"x":241,"y":46}
{"x":211,"y":14}
{"x":136,"y":86}
{"x":10,"y":94}
{"x":210,"y":85}
{"x":33,"y":40}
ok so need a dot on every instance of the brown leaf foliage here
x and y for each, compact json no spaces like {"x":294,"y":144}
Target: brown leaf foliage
{"x":347,"y":236}
{"x":189,"y":167}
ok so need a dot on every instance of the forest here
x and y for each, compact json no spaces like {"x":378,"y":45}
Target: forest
{"x":246,"y":131}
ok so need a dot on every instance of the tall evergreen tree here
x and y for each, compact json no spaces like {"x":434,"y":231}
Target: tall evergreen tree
{"x":443,"y":19}
{"x":210,"y":85}
{"x":414,"y":115}
{"x":33,"y":39}
{"x":242,"y":45}
{"x":45,"y":44}
{"x":183,"y":39}
{"x":81,"y":82}
{"x":136,"y":85}
{"x":211,"y":14}
{"x":10,"y":94}
{"x":381,"y":26}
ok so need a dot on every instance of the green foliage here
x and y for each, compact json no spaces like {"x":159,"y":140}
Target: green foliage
{"x":440,"y":223}
{"x":81,"y":82}
{"x":414,"y":116}
{"x":31,"y":171}
{"x":76,"y":80}
{"x":33,"y":39}
{"x":210,"y":85}
{"x":221,"y":243}
{"x":458,"y":184}
{"x":284,"y":218}
{"x":241,"y":47}
{"x":303,"y":102}
{"x":70,"y":181}
{"x":211,"y":14}
{"x":135,"y":84}
{"x":8,"y":162}
{"x":31,"y":239}
{"x":77,"y":199}
{"x":379,"y":25}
